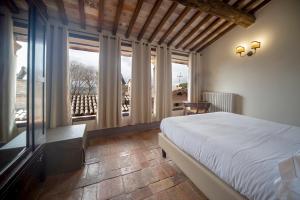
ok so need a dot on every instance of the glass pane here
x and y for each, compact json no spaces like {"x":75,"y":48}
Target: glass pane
{"x":13,"y":103}
{"x":39,"y":79}
{"x":179,"y":85}
{"x":153,"y":92}
{"x":126,"y":71}
{"x":83,"y":77}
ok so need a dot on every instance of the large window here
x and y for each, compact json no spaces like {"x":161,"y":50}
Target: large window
{"x":153,"y":80}
{"x":83,"y":81}
{"x":180,"y":74}
{"x":126,"y":71}
{"x":21,"y":82}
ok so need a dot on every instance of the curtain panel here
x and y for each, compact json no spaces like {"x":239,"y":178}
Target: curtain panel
{"x":163,"y":83}
{"x":58,"y":83}
{"x":109,"y":82}
{"x":141,"y":102}
{"x":195,"y":80}
{"x":7,"y":77}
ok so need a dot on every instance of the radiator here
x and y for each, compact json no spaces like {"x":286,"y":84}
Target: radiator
{"x":220,"y":101}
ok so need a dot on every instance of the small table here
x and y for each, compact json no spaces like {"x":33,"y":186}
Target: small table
{"x":65,"y":148}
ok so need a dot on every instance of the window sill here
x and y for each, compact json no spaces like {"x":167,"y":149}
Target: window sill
{"x":92,"y":117}
{"x":83,"y":118}
{"x":21,"y":124}
{"x":177,"y":108}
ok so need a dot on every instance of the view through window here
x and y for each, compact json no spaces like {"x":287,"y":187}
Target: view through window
{"x":179,"y":84}
{"x":83,"y":81}
{"x":126,"y":71}
{"x":153,"y":91}
{"x":21,"y":82}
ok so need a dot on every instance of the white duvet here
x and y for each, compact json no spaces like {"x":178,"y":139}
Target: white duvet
{"x":242,"y":151}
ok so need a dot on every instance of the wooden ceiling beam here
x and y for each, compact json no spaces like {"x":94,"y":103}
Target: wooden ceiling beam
{"x":149,"y":19}
{"x":222,"y":10}
{"x":237,"y":3}
{"x":117,"y":17}
{"x":202,"y":33}
{"x":249,"y":5}
{"x":134,"y":17}
{"x":62,"y":11}
{"x":229,"y":28}
{"x":100,"y":15}
{"x":193,"y":31}
{"x":12,"y":6}
{"x":218,"y":29}
{"x":253,"y":10}
{"x":81,"y":13}
{"x":184,"y":28}
{"x":259,"y":6}
{"x":206,"y":30}
{"x":173,"y":26}
{"x":163,"y":21}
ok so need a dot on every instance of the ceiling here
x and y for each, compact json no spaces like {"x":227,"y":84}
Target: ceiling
{"x":157,"y":21}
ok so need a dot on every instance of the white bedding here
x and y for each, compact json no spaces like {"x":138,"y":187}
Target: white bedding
{"x":242,"y":151}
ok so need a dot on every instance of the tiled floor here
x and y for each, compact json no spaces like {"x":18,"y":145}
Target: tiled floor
{"x":127,"y":166}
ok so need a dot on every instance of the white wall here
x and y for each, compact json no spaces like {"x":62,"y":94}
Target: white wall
{"x":268,"y":83}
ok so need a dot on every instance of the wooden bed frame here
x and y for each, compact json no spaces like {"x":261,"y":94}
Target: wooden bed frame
{"x":211,"y":185}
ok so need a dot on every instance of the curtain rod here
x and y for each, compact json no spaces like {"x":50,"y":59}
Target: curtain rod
{"x":94,"y":36}
{"x":83,"y":34}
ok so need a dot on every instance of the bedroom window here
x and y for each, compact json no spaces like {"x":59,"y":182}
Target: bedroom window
{"x":153,"y":69}
{"x":83,"y":81}
{"x":180,"y":73}
{"x":21,"y":81}
{"x":126,"y":71}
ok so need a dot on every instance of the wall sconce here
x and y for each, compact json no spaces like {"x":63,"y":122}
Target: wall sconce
{"x":240,"y":49}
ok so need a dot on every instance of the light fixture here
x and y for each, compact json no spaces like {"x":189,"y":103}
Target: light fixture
{"x":239,"y":50}
{"x":254,"y":45}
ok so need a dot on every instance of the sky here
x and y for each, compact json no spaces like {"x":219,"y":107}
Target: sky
{"x":21,"y":56}
{"x":86,"y":57}
{"x":126,"y":63}
{"x":179,"y":70}
{"x":92,"y":59}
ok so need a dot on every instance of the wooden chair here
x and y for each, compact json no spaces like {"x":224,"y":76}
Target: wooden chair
{"x":196,"y":108}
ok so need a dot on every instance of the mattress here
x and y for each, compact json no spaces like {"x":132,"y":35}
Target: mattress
{"x":242,"y":151}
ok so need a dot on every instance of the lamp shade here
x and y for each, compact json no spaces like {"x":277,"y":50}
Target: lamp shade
{"x":240,"y":49}
{"x":255,"y":44}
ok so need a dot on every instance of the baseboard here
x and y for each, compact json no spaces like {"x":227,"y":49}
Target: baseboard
{"x":124,"y":129}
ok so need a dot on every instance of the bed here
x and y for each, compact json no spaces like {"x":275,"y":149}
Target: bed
{"x":229,"y":156}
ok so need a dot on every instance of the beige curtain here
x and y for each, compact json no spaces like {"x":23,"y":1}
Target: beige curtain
{"x":7,"y":77}
{"x":58,"y":84}
{"x":163,"y":83}
{"x":195,"y":78}
{"x":109,"y":86}
{"x":141,"y":111}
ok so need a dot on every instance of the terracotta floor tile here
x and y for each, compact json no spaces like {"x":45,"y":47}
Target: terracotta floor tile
{"x":110,"y":188}
{"x":128,"y":166}
{"x":90,"y":192}
{"x":161,"y":185}
{"x":141,"y":193}
{"x":189,"y":192}
{"x":122,"y":197}
{"x":70,"y":195}
{"x":93,"y":170}
{"x":133,"y":181}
